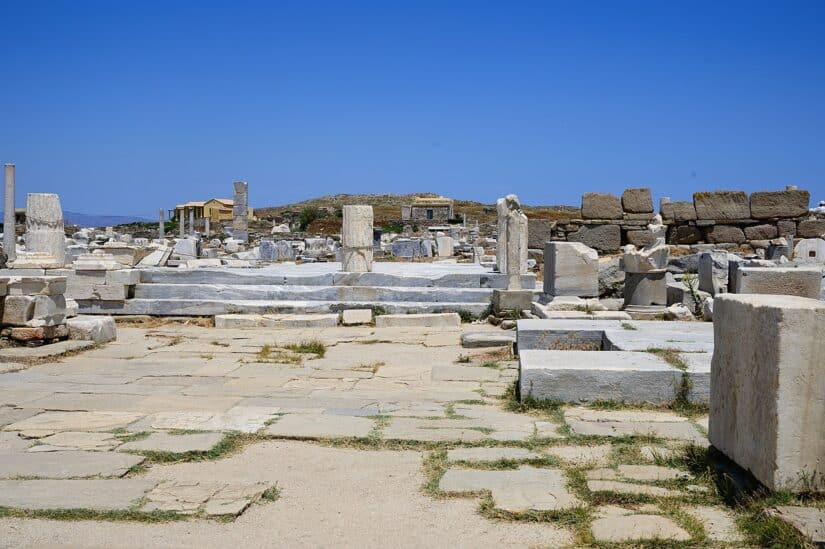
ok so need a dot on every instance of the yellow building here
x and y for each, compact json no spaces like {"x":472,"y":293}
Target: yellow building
{"x":214,"y":209}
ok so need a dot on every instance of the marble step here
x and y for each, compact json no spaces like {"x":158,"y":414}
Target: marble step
{"x":414,"y":278}
{"x":206,"y":307}
{"x":250,"y":292}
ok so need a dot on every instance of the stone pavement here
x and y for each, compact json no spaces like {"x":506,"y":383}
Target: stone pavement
{"x":390,"y":436}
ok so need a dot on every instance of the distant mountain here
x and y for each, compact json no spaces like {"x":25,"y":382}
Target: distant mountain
{"x":93,"y":220}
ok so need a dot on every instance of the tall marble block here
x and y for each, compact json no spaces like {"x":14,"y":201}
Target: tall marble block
{"x":9,"y":231}
{"x":161,"y":226}
{"x":504,"y":209}
{"x":571,"y":269}
{"x":356,"y":239}
{"x":44,"y":226}
{"x":713,"y":272}
{"x":240,"y":207}
{"x":767,"y":409}
{"x":191,"y":221}
{"x":182,"y":223}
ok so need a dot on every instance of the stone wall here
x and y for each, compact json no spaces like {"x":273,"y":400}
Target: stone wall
{"x":727,"y":218}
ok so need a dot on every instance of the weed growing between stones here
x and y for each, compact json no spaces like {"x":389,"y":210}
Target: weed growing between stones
{"x":272,"y":354}
{"x":125,"y":515}
{"x":371,"y":367}
{"x":463,"y":359}
{"x":669,"y":355}
{"x":311,"y":346}
{"x":628,"y":326}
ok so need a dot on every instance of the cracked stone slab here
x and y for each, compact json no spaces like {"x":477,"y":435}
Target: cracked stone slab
{"x":637,"y":527}
{"x":101,"y":495}
{"x":76,"y":440}
{"x":630,"y":488}
{"x":49,"y":423}
{"x":491,"y":454}
{"x":247,"y":419}
{"x":719,"y":523}
{"x":213,"y":498}
{"x":642,"y":473}
{"x":632,"y":423}
{"x":444,"y":430}
{"x":464,"y":373}
{"x":320,"y":426}
{"x":9,"y":414}
{"x":45,"y":351}
{"x":177,"y":444}
{"x":525,"y":489}
{"x":67,"y":464}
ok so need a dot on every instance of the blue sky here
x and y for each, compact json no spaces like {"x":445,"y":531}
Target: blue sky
{"x":127,"y":107}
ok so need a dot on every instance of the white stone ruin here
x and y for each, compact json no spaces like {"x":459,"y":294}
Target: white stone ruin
{"x":356,"y":239}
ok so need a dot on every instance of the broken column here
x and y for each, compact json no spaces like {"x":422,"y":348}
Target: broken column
{"x":645,"y":285}
{"x":161,"y":227}
{"x":356,"y":239}
{"x":513,"y":222}
{"x":570,"y":269}
{"x":9,"y":223}
{"x":44,"y":228}
{"x":240,"y":207}
{"x":766,"y":405}
{"x":192,"y":221}
{"x":182,"y":223}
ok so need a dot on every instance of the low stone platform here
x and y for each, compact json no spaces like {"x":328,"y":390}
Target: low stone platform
{"x":591,"y":360}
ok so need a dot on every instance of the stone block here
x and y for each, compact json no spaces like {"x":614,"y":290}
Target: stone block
{"x":433,"y":320}
{"x":766,"y":405}
{"x":572,"y":269}
{"x":603,"y":238}
{"x":645,"y":289}
{"x":39,"y":333}
{"x":301,"y":320}
{"x":353,"y":317}
{"x":713,"y":271}
{"x":539,"y":232}
{"x":100,"y":329}
{"x":637,"y":201}
{"x":36,"y":285}
{"x":18,"y":310}
{"x":601,"y":206}
{"x":356,"y":239}
{"x":683,"y":211}
{"x":512,"y":300}
{"x":640,"y":238}
{"x":786,"y":228}
{"x":125,"y":277}
{"x":761,"y":232}
{"x":788,"y":203}
{"x":787,"y":281}
{"x":445,"y":245}
{"x":233,"y":321}
{"x":684,"y":234}
{"x":718,"y":234}
{"x":811,"y":228}
{"x":721,"y":205}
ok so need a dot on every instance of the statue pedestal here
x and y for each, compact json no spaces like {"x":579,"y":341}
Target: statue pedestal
{"x":512,"y":300}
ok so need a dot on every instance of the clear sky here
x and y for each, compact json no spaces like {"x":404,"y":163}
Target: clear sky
{"x":126,"y":107}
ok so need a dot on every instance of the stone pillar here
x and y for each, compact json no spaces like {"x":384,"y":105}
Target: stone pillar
{"x":9,"y":231}
{"x":192,"y":221}
{"x":161,"y":226}
{"x":44,"y":226}
{"x":240,"y":223}
{"x":182,"y":222}
{"x":512,"y":256}
{"x":356,"y":239}
{"x":766,"y":387}
{"x":570,"y":269}
{"x":206,"y":228}
{"x":501,"y":239}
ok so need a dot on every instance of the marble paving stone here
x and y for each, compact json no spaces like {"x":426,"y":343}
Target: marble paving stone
{"x":652,"y":453}
{"x":13,"y":443}
{"x":624,"y":423}
{"x":491,"y":454}
{"x":246,"y":419}
{"x":9,"y":414}
{"x":177,"y":444}
{"x":629,"y":488}
{"x":429,"y":430}
{"x":581,"y":455}
{"x":525,"y":489}
{"x":52,"y":422}
{"x":637,"y":527}
{"x":76,"y":440}
{"x":651,"y":473}
{"x":102,"y":495}
{"x":719,"y":523}
{"x":809,"y":521}
{"x":67,"y":464}
{"x":463,"y":373}
{"x":320,"y":426}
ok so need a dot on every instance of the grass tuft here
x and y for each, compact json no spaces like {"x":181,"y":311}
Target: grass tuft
{"x":310,"y":346}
